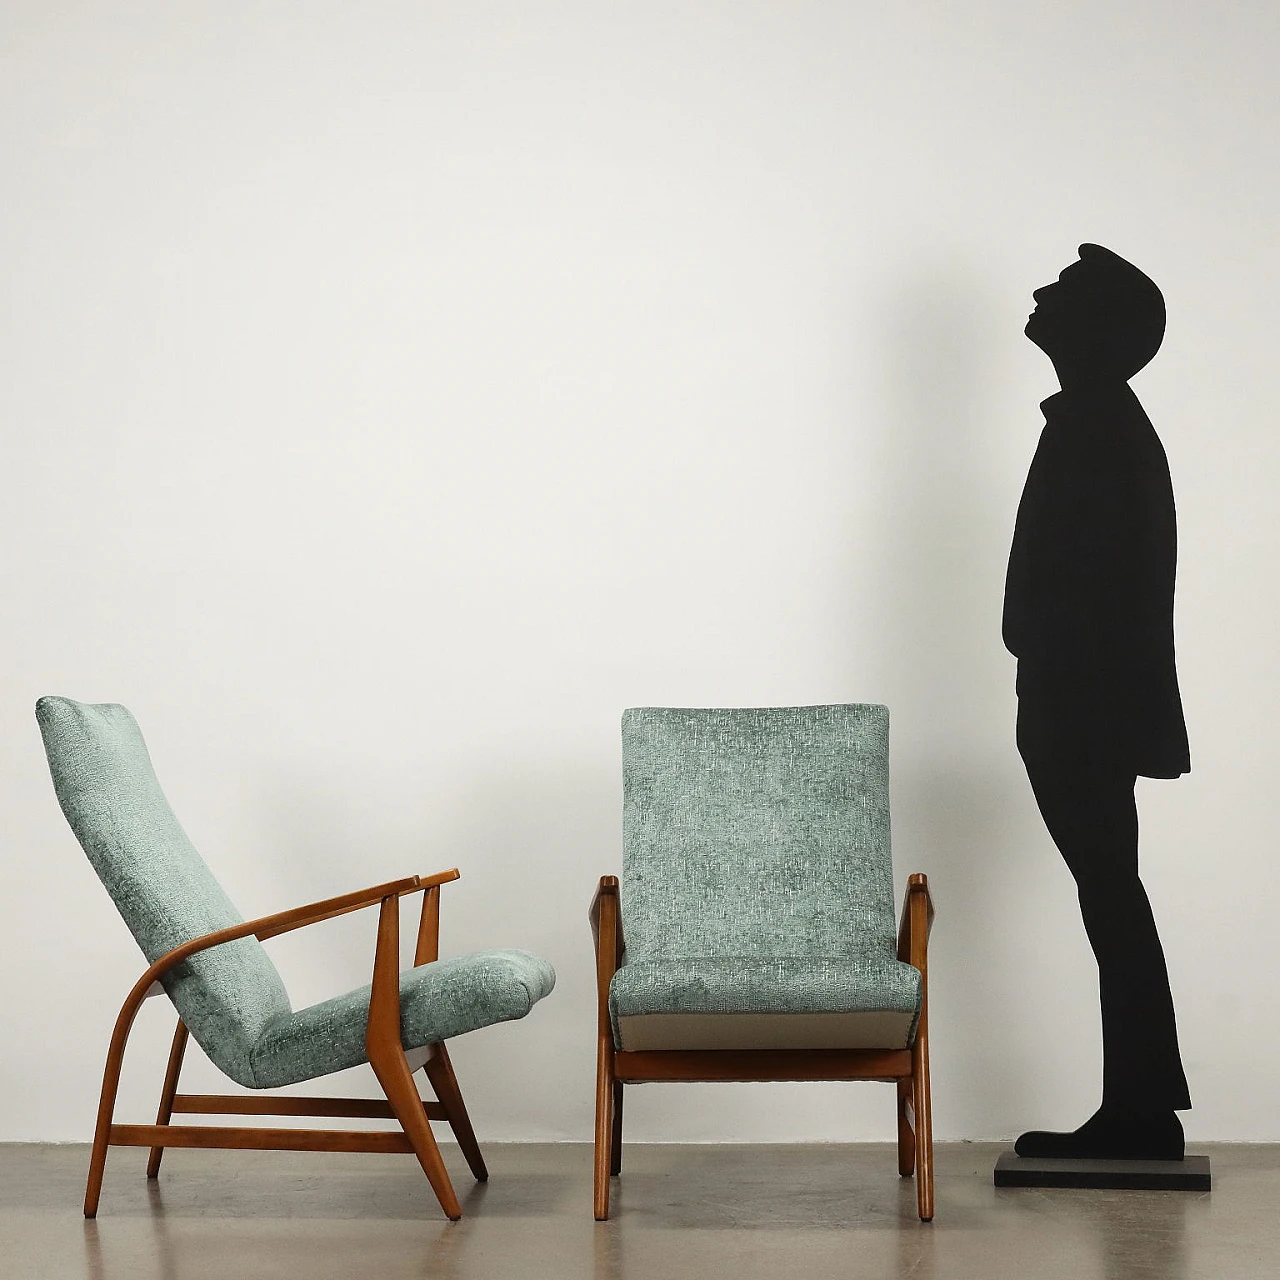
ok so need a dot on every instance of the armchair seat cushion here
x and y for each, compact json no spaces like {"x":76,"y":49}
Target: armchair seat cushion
{"x":780,"y":1003}
{"x":437,"y":1001}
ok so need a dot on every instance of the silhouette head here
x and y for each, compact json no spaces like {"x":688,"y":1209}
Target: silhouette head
{"x":1100,"y":321}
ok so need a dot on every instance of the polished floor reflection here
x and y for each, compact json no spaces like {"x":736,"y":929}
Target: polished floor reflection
{"x":679,"y":1211}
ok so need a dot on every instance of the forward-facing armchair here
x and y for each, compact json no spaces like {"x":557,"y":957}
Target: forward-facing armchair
{"x":759,"y":929}
{"x":212,"y":966}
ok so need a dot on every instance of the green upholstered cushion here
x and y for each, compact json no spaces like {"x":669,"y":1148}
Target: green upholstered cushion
{"x":108,"y":790}
{"x":437,"y":1001}
{"x":757,"y":874}
{"x":231,"y":996}
{"x":780,"y":985}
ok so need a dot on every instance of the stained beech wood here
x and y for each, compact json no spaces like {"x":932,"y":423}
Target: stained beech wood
{"x":271,"y":926}
{"x":224,"y":1137}
{"x":607,"y":933}
{"x":439,"y":1070}
{"x":918,"y":916}
{"x":906,"y":1137}
{"x":615,"y":1138}
{"x":208,"y":1104}
{"x":917,"y":888}
{"x":428,"y":944}
{"x":386,"y":1055}
{"x":283,"y":922}
{"x":167,"y":1092}
{"x":608,"y":888}
{"x":907,"y":1069}
{"x":110,"y":1086}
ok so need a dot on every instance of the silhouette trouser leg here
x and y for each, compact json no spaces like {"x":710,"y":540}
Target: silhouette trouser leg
{"x":1091,"y":814}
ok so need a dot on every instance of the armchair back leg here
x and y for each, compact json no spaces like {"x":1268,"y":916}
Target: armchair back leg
{"x":439,"y":1070}
{"x":906,"y":1138}
{"x":921,"y":1104}
{"x":606,"y":1094}
{"x":165,"y":1111}
{"x":615,"y":1149}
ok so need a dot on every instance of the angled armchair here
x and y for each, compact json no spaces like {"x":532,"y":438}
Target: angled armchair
{"x":212,"y":966}
{"x":759,"y":938}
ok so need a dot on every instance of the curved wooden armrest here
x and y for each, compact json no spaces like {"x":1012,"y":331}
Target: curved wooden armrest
{"x":313,"y":913}
{"x":916,"y":923}
{"x":285,"y":921}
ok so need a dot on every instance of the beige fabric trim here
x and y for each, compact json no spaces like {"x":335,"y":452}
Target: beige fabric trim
{"x":878,"y":1030}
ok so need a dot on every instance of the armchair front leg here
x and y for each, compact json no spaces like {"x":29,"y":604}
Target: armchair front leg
{"x":438,"y":1067}
{"x":913,"y":947}
{"x":606,"y":928}
{"x":165,"y":1111}
{"x":386,"y":1057}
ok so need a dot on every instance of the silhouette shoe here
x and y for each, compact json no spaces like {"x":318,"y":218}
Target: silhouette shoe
{"x":1110,"y":1134}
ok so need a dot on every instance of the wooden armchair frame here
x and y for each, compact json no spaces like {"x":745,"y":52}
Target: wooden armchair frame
{"x":908,"y":1068}
{"x":392,"y":1066}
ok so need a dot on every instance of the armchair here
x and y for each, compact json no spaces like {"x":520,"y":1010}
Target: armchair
{"x":212,"y":966}
{"x":760,"y":941}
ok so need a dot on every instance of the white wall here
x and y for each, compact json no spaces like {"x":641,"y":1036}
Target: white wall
{"x":394,"y":392}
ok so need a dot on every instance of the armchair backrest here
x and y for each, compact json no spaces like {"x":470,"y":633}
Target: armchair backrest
{"x":757,"y":832}
{"x":108,"y":790}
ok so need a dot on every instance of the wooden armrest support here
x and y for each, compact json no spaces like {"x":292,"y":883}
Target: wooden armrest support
{"x":382,"y":1031}
{"x":606,"y":932}
{"x":428,"y":945}
{"x":916,"y":923}
{"x":607,"y":888}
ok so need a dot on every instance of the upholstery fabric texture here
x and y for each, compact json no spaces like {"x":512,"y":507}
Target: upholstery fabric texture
{"x":231,"y":997}
{"x":102,"y":774}
{"x":757,"y":873}
{"x":437,"y":1001}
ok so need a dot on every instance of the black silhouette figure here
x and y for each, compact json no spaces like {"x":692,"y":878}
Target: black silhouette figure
{"x":1088,"y":612}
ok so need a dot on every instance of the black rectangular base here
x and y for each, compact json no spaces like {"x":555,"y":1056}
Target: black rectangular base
{"x":1191,"y":1174}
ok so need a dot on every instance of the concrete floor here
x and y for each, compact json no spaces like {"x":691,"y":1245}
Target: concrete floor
{"x":679,"y":1211}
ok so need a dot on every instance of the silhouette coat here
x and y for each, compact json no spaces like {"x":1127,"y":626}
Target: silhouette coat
{"x":1089,"y":594}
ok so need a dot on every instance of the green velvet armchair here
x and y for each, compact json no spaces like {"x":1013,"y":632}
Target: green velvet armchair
{"x":212,"y":966}
{"x":757,"y":899}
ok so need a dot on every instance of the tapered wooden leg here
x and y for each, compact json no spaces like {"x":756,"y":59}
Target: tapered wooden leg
{"x":397,"y":1083}
{"x":97,"y":1166}
{"x":615,"y":1139}
{"x":166,"y":1094}
{"x":605,"y":1085}
{"x":106,"y":1107}
{"x":924,"y":1123}
{"x":440,"y":1072}
{"x":906,"y":1139}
